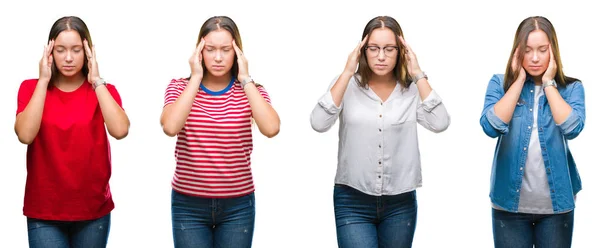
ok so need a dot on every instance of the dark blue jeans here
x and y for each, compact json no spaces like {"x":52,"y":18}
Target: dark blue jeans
{"x":212,"y":222}
{"x":68,"y":234}
{"x":366,"y":221}
{"x":516,"y":230}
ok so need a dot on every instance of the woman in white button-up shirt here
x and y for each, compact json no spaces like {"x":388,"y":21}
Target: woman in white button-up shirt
{"x":379,"y":106}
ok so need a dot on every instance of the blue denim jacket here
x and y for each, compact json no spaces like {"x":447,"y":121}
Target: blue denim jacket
{"x":513,"y":140}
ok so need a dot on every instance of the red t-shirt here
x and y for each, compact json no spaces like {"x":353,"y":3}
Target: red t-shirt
{"x":68,"y":162}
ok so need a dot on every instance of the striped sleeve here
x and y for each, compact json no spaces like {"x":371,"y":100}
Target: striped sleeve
{"x":264,"y":94}
{"x":174,"y":90}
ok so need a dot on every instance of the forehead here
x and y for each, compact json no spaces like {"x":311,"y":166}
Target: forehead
{"x":537,"y":37}
{"x":218,"y":37}
{"x":68,"y":38}
{"x":382,"y":36}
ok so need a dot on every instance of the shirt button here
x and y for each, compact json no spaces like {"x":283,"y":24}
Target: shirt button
{"x":540,"y":129}
{"x":379,"y":176}
{"x":517,"y":190}
{"x":531,"y":91}
{"x":380,"y":116}
{"x":381,"y":103}
{"x":529,"y":127}
{"x":524,"y":148}
{"x":548,"y":170}
{"x":380,"y":130}
{"x":379,"y":162}
{"x":379,"y":146}
{"x":530,"y":110}
{"x":521,"y":168}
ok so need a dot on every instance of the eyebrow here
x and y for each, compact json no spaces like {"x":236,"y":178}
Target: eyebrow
{"x":214,"y":46}
{"x":539,"y":46}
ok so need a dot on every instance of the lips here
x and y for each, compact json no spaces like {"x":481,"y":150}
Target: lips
{"x":68,"y":68}
{"x":380,"y":66}
{"x":218,"y":67}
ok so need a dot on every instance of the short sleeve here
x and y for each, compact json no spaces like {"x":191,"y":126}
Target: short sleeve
{"x":25,"y":92}
{"x":174,"y":90}
{"x":264,"y":94}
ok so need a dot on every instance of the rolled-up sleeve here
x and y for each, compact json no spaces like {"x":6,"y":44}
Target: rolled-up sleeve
{"x":432,"y":113}
{"x":573,"y":125}
{"x":325,"y":113}
{"x":492,"y":125}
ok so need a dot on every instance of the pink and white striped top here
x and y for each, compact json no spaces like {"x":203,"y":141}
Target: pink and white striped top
{"x":213,"y":149}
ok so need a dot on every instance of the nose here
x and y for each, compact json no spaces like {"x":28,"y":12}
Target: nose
{"x":381,"y":55}
{"x":535,"y":57}
{"x":69,"y":57}
{"x":218,"y":56}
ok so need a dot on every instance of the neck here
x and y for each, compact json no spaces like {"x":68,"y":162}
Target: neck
{"x":382,"y":80}
{"x":69,"y":83}
{"x":213,"y":82}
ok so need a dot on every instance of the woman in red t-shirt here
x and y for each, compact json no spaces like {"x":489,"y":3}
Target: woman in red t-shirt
{"x":61,"y":117}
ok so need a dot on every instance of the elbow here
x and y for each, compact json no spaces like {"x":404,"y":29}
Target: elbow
{"x":25,"y":140}
{"x":120,"y":133}
{"x":442,"y":127}
{"x":271,"y":131}
{"x":169,"y":131}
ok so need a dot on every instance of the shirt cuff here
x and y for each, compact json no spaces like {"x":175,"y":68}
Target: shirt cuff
{"x":328,"y":105}
{"x":496,"y":122}
{"x":432,"y":101}
{"x":569,"y":124}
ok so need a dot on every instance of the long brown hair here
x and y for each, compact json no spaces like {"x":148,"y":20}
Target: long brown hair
{"x":400,"y":70}
{"x":527,"y":26}
{"x":226,"y":23}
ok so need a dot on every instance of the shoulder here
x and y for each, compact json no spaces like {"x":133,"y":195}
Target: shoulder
{"x":29,"y":83}
{"x":498,"y":78}
{"x":178,"y":82}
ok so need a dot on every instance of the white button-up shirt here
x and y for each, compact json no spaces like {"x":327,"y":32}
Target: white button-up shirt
{"x":378,"y":150}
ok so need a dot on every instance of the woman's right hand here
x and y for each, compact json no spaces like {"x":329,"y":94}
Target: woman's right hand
{"x":46,"y":63}
{"x":196,"y":60}
{"x":353,"y":57}
{"x":516,"y":65}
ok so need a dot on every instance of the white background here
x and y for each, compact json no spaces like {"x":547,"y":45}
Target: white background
{"x":295,"y":49}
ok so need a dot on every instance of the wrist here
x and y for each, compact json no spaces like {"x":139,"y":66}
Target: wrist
{"x":245,"y":81}
{"x":419,"y":76}
{"x":98,"y":83}
{"x":548,"y":83}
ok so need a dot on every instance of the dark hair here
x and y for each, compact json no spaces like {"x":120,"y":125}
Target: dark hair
{"x":70,"y":23}
{"x":226,"y":23}
{"x":400,"y":70}
{"x":527,"y":26}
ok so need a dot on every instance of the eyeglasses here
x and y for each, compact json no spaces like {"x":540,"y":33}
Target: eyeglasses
{"x":389,"y":51}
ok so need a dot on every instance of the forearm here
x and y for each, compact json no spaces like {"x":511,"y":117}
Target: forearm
{"x":117,"y":122}
{"x":264,"y":114}
{"x":339,"y":88}
{"x":423,"y":87}
{"x":559,"y":107}
{"x":174,"y":115}
{"x":27,"y":124}
{"x":505,"y":107}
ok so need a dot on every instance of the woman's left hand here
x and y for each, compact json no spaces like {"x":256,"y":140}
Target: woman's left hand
{"x":92,"y":64}
{"x":411,"y":59}
{"x":551,"y":71}
{"x":242,"y":63}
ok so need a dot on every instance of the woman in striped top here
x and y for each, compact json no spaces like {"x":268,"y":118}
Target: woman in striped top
{"x":211,"y":113}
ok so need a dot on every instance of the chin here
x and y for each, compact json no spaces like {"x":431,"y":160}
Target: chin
{"x":69,"y":73}
{"x":219,"y":73}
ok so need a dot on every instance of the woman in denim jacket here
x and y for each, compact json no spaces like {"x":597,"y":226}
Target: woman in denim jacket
{"x":533,"y":110}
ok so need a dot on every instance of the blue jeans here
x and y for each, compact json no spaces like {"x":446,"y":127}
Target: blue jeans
{"x":365,"y":221}
{"x":212,"y":222}
{"x":68,"y":234}
{"x":516,"y":230}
